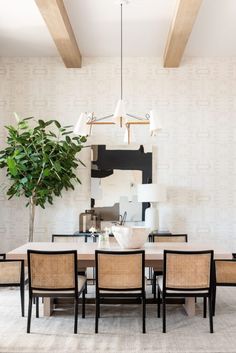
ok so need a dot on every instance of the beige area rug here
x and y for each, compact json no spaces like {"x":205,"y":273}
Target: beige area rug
{"x":119,"y":329}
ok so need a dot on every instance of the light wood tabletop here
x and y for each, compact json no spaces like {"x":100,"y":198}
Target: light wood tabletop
{"x":86,"y":251}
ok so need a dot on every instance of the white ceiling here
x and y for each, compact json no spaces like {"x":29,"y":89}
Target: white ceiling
{"x":96,"y":24}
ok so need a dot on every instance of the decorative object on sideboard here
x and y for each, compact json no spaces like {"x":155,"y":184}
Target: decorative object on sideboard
{"x":130,"y":237}
{"x":120,"y":117}
{"x":88,"y":220}
{"x":40,"y":159}
{"x":153,"y":193}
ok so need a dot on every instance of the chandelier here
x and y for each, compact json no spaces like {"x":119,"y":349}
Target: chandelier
{"x":87,"y":120}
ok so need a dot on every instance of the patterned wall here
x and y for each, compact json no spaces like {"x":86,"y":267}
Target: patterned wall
{"x":196,"y":156}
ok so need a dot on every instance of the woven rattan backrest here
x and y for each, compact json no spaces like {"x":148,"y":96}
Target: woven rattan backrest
{"x":120,"y":271}
{"x":225,"y":271}
{"x":52,"y":270}
{"x":170,"y":238}
{"x":10,"y":272}
{"x":187,"y":270}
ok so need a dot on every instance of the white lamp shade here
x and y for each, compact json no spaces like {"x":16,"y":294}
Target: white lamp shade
{"x":154,"y":121}
{"x":82,"y":128}
{"x":151,"y":193}
{"x":120,"y":112}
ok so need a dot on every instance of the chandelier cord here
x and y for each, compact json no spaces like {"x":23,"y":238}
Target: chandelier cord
{"x":121,"y":51}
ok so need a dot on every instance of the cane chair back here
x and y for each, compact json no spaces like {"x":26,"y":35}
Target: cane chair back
{"x":52,"y":270}
{"x":225,"y":272}
{"x":187,"y":270}
{"x":120,"y":270}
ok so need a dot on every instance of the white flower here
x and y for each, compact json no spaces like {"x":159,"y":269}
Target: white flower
{"x":92,"y":230}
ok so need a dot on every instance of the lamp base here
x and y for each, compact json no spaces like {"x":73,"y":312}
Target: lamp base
{"x":151,"y":218}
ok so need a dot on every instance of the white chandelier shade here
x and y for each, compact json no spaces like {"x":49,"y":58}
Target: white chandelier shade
{"x":82,"y":128}
{"x":154,"y":122}
{"x":119,"y":116}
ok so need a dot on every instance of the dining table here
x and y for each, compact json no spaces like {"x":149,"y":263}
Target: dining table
{"x":86,"y":257}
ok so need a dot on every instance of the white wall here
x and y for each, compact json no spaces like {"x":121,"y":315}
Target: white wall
{"x":196,"y":149}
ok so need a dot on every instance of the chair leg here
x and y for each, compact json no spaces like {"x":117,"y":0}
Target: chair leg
{"x":158,"y":303}
{"x":99,"y":310}
{"x":204,"y":307}
{"x":94,"y":275}
{"x":210,"y":314}
{"x":144,"y":314}
{"x":29,"y":315}
{"x":22,"y":298}
{"x":97,"y":314}
{"x":83,"y":303}
{"x":76,"y":315}
{"x":164,"y":314}
{"x":214,"y":301}
{"x":154,"y":285}
{"x":37,"y":306}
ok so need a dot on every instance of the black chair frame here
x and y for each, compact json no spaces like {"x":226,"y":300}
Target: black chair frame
{"x":21,"y":284}
{"x":74,"y":295}
{"x":159,"y":273}
{"x":190,"y":292}
{"x":121,"y":293}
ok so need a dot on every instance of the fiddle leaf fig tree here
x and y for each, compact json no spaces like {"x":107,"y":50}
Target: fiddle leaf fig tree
{"x":41,"y":160}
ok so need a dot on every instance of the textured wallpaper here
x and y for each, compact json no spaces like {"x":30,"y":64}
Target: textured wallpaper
{"x":196,"y":149}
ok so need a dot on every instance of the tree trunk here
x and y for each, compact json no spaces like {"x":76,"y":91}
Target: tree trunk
{"x":31,"y":219}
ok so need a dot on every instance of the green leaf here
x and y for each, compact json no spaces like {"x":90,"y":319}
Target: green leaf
{"x":68,"y":126}
{"x":31,"y":117}
{"x":41,"y":123}
{"x":67,"y":133}
{"x":48,"y":122}
{"x":23,"y":125}
{"x":24,"y":180}
{"x":83,"y":139}
{"x":57,"y":166}
{"x":57,"y":124}
{"x":46,"y":172}
{"x":12,"y":166}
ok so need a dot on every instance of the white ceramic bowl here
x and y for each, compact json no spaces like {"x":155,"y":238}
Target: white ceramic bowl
{"x":130,"y":237}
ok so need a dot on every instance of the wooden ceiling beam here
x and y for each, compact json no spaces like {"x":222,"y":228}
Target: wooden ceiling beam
{"x":180,"y":30}
{"x":58,"y":23}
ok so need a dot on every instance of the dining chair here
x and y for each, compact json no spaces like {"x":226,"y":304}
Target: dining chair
{"x":120,"y":274}
{"x":225,"y":276}
{"x":186,"y":274}
{"x":164,"y":238}
{"x":72,"y":238}
{"x":54,"y":274}
{"x":12,"y":274}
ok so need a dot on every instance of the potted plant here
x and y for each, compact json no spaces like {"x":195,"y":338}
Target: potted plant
{"x":40,"y":159}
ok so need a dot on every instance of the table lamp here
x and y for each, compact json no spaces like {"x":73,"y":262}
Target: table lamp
{"x":151,"y":193}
